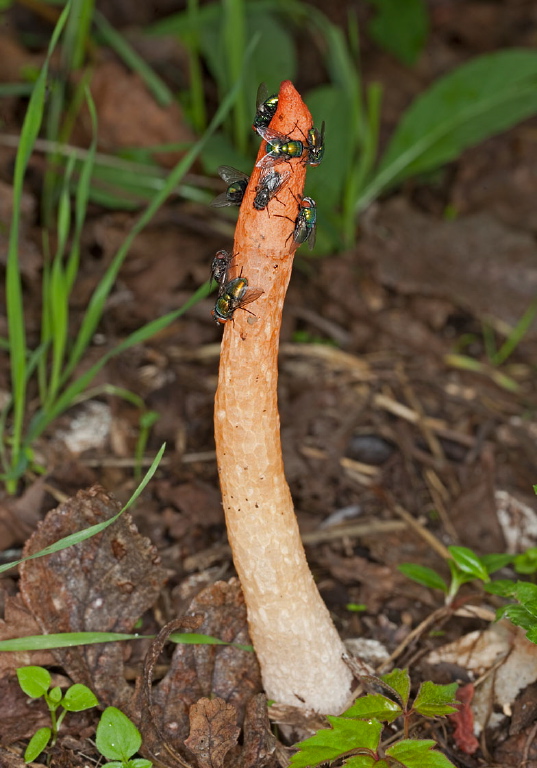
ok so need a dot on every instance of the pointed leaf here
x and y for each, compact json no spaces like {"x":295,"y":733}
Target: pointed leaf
{"x":469,"y":562}
{"x":399,"y":680}
{"x":374,"y":706}
{"x":329,"y":743}
{"x":37,"y":744}
{"x":435,"y":700}
{"x":478,"y":99}
{"x":418,"y":754}
{"x":423,"y":575}
{"x":117,"y":737}
{"x":493,"y":563}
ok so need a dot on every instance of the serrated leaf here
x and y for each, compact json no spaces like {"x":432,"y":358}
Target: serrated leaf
{"x":329,"y":743}
{"x":468,"y":562}
{"x":365,"y":761}
{"x":518,"y":615}
{"x":399,"y":680}
{"x":423,"y":575}
{"x":374,"y":706}
{"x":418,"y":754}
{"x":435,"y":700}
{"x":79,"y":697}
{"x":525,"y":592}
{"x":34,"y":681}
{"x":502,"y":587}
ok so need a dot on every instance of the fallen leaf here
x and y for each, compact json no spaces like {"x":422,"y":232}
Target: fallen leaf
{"x":103,"y":584}
{"x":213,"y":731}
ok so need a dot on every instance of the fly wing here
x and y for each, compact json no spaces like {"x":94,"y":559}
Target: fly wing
{"x":262,"y":95}
{"x":221,"y":201}
{"x":312,"y":236}
{"x":282,"y":181}
{"x":250,"y":295}
{"x":231,"y":175}
{"x":268,"y":134}
{"x":267,"y":161}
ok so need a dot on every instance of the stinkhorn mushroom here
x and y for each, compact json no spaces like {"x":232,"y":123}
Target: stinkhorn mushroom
{"x":298,"y":647}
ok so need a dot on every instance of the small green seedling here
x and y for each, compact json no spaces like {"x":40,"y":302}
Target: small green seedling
{"x":118,"y":739}
{"x":356,"y":734}
{"x":35,"y":682}
{"x":464,"y":565}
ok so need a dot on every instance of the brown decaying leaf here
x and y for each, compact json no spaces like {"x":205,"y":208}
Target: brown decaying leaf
{"x":103,"y":584}
{"x":213,"y":731}
{"x":19,"y":621}
{"x":200,"y":671}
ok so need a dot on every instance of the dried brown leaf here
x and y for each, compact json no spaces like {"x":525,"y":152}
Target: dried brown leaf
{"x":213,"y":731}
{"x":103,"y":584}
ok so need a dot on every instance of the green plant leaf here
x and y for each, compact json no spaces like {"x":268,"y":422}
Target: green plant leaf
{"x":72,"y":639}
{"x":374,"y":706}
{"x":518,"y":615}
{"x":399,"y":680}
{"x":365,"y":761}
{"x":435,"y":700}
{"x":526,"y":592}
{"x":479,"y":99}
{"x":423,"y":575}
{"x":54,"y":696}
{"x":34,"y":681}
{"x":117,"y":737}
{"x":469,"y":562}
{"x":493,"y":563}
{"x":76,"y":538}
{"x":418,"y":754}
{"x":37,"y":744}
{"x":502,"y":587}
{"x":78,"y":697}
{"x":400,"y":28}
{"x":526,"y":562}
{"x":531,"y":634}
{"x":328,"y":743}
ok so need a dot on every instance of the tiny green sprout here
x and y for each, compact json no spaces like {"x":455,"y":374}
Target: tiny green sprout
{"x":464,"y":566}
{"x":118,"y":739}
{"x":35,"y":682}
{"x":356,"y":607}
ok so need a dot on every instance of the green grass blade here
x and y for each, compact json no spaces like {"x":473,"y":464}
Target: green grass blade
{"x":81,"y":198}
{"x":478,"y":99}
{"x":109,"y":36}
{"x":14,"y":303}
{"x":74,"y":390}
{"x":77,"y":33}
{"x":516,"y":336}
{"x":98,"y":299}
{"x":73,"y":639}
{"x":234,"y":38}
{"x":87,"y":533}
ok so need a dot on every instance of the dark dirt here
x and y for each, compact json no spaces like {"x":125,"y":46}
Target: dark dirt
{"x":393,"y":448}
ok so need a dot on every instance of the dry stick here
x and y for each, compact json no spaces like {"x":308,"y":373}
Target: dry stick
{"x":298,"y":647}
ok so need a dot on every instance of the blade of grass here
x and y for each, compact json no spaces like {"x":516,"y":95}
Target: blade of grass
{"x":87,"y":533}
{"x":234,"y":37}
{"x":518,"y":333}
{"x":74,"y":390}
{"x":98,"y":299}
{"x":14,"y":303}
{"x":73,"y":639}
